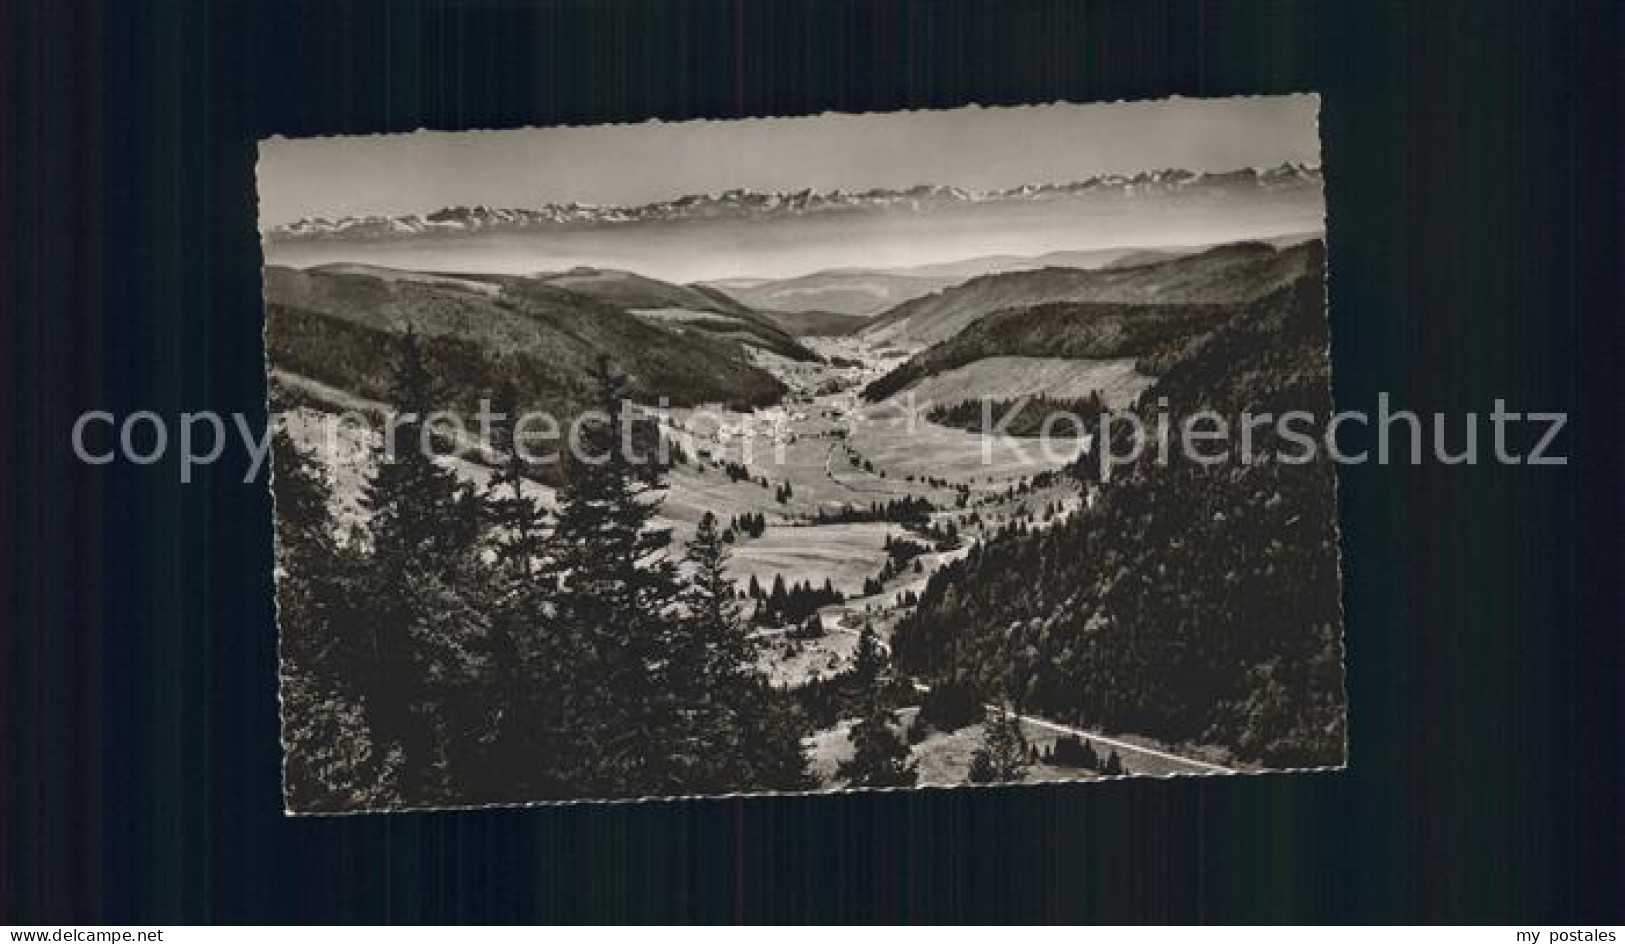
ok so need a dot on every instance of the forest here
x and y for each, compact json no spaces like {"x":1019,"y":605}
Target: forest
{"x":1193,"y":604}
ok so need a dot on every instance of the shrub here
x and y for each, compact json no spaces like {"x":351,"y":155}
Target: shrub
{"x":1072,"y":751}
{"x":949,"y":706}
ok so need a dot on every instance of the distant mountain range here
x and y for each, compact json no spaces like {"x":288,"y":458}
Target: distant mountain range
{"x":739,"y":204}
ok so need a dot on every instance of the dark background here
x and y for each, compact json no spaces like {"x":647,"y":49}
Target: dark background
{"x":1473,"y":163}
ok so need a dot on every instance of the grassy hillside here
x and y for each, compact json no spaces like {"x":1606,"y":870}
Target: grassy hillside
{"x":1008,"y":378}
{"x":339,"y":326}
{"x":1233,"y":273}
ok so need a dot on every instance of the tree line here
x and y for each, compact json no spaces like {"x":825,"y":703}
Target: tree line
{"x":780,"y":605}
{"x":910,"y":509}
{"x":1040,"y":415}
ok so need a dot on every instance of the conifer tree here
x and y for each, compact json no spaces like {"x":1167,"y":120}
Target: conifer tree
{"x":425,"y":632}
{"x":1004,"y":755}
{"x":530,"y":743}
{"x":304,"y":523}
{"x":710,"y":598}
{"x":708,"y":657}
{"x":879,"y":756}
{"x":867,"y":660}
{"x":520,"y":521}
{"x":735,"y":732}
{"x":617,"y":606}
{"x":333,"y":761}
{"x":418,"y":510}
{"x":981,"y":768}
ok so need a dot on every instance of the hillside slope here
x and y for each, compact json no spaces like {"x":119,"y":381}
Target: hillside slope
{"x":1232,"y":273}
{"x":842,"y":291}
{"x":869,"y":292}
{"x":1086,"y":330}
{"x":813,"y":324}
{"x":339,"y":326}
{"x":1189,"y":603}
{"x":1004,"y":378}
{"x":690,"y":306}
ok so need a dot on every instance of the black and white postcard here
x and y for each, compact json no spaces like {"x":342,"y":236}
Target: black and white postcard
{"x":801,"y":454}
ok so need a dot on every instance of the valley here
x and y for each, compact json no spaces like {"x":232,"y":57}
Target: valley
{"x":851,"y":520}
{"x":826,"y":451}
{"x":770,"y":456}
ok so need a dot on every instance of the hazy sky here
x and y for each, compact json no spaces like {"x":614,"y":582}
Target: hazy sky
{"x":635,"y":164}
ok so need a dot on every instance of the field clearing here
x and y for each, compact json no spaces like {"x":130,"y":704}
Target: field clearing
{"x":788,"y":662}
{"x":795,"y":447}
{"x":1006,"y":378}
{"x":904,"y":443}
{"x":691,"y":493}
{"x":855,"y":484}
{"x":846,"y":554}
